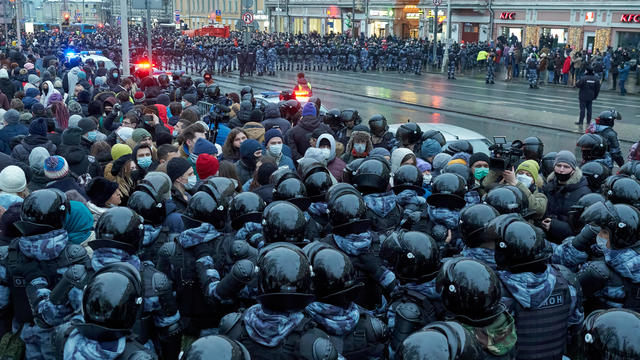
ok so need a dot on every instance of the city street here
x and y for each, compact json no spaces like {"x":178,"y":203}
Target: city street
{"x":508,"y":109}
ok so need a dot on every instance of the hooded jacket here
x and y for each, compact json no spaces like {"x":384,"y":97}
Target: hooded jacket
{"x":560,"y":198}
{"x":334,"y":164}
{"x":357,"y":137}
{"x":70,"y":80}
{"x":7,"y":87}
{"x":9,"y":132}
{"x":397,"y":156}
{"x":21,"y":151}
{"x":273,"y":119}
{"x":298,"y":136}
{"x":243,"y":116}
{"x":44,"y":99}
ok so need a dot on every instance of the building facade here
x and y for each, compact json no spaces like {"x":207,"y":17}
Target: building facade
{"x":198,"y":13}
{"x":87,"y":11}
{"x":581,"y":23}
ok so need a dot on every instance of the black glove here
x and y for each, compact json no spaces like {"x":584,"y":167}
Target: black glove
{"x":586,"y":237}
{"x":240,"y":275}
{"x":31,"y":270}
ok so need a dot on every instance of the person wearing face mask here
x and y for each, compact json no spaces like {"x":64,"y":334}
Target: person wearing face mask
{"x":527,"y":180}
{"x":565,"y":186}
{"x":327,"y":143}
{"x":144,"y":157}
{"x":273,"y":144}
{"x":250,"y":153}
{"x":479,"y":166}
{"x":183,"y":179}
{"x":359,"y":146}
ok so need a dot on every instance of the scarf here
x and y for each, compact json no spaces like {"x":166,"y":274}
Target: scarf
{"x":251,"y":232}
{"x":445,"y":217}
{"x":381,"y":204}
{"x":334,"y":319}
{"x":625,"y":262}
{"x":410,"y":197}
{"x":150,"y":234}
{"x":105,"y":256}
{"x":79,"y":347}
{"x":354,"y":244}
{"x":427,"y":289}
{"x":202,"y":234}
{"x":529,"y":289}
{"x":270,"y":328}
{"x":44,"y":246}
{"x":485,"y":255}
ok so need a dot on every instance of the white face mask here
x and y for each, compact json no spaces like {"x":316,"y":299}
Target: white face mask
{"x":275,"y":150}
{"x":326,"y":153}
{"x":426,"y":179}
{"x":191,"y":182}
{"x":526,"y":180}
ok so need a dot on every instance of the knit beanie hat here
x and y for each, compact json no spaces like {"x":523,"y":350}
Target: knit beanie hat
{"x":163,"y":99}
{"x":31,"y":92}
{"x":176,"y":167}
{"x":99,"y":190}
{"x":271,"y":133}
{"x":74,"y":120}
{"x":139,"y":97}
{"x":119,"y":150}
{"x":478,"y":157}
{"x":84,"y":97}
{"x":248,"y":147}
{"x":37,"y":157}
{"x":124,"y":133}
{"x":207,"y":165}
{"x":204,"y":146}
{"x":440,"y":161}
{"x":72,"y":136}
{"x":566,"y":157}
{"x":87,"y":124}
{"x":100,"y":80}
{"x":74,"y":108}
{"x":33,"y":78}
{"x":457,"y":161}
{"x":12,"y":117}
{"x":38,"y":127}
{"x":140,"y":134}
{"x":37,"y":110}
{"x":461,"y":156}
{"x":191,"y":98}
{"x":55,"y":167}
{"x":430,"y":148}
{"x":309,"y":109}
{"x":380,"y":151}
{"x":530,"y":166}
{"x":423,"y":165}
{"x":12,"y":179}
{"x":264,"y":173}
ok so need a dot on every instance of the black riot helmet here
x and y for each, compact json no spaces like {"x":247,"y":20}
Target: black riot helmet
{"x":460,"y":169}
{"x":593,"y":146}
{"x":596,"y":173}
{"x":293,"y":191}
{"x":43,"y":211}
{"x":220,"y":188}
{"x":507,"y":199}
{"x":378,"y":125}
{"x":631,"y":169}
{"x":119,"y":228}
{"x":334,"y":277}
{"x":200,"y":89}
{"x":372,"y":176}
{"x":349,"y":170}
{"x":547,"y":163}
{"x":458,"y":146}
{"x":474,"y":221}
{"x":578,"y":208}
{"x":340,"y":189}
{"x":470,"y":290}
{"x":413,"y":256}
{"x":409,"y":134}
{"x":608,"y":117}
{"x":519,"y":247}
{"x":611,"y":334}
{"x":246,"y":207}
{"x":223,"y":348}
{"x":408,"y":177}
{"x":111,"y":302}
{"x":435,"y":135}
{"x":622,"y":190}
{"x":203,"y":208}
{"x":213,"y":91}
{"x":283,"y":221}
{"x":150,"y":207}
{"x":289,"y":108}
{"x":349,"y":115}
{"x":156,"y":184}
{"x":448,"y":191}
{"x":284,"y":278}
{"x":440,"y":340}
{"x":348,"y":214}
{"x":282,"y":174}
{"x":622,"y":221}
{"x":332,"y":118}
{"x":533,"y":148}
{"x":317,"y":184}
{"x":246,"y":90}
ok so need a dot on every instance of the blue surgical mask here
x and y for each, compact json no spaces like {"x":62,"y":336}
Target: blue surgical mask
{"x":191,"y":182}
{"x":175,"y":133}
{"x":115,"y":75}
{"x":275,"y":150}
{"x":602,"y":242}
{"x":184,"y":104}
{"x":144,"y":162}
{"x":480,"y":173}
{"x":359,"y":148}
{"x":193,"y":157}
{"x":92,"y":135}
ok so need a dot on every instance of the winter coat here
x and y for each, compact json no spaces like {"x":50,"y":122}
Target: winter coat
{"x":589,"y":86}
{"x":623,"y":73}
{"x":9,"y":132}
{"x":67,"y":183}
{"x":38,"y":180}
{"x":566,"y":67}
{"x":560,"y":199}
{"x":8,"y":88}
{"x":21,"y":151}
{"x":273,"y":119}
{"x":359,"y":137}
{"x":265,"y":192}
{"x":244,"y":172}
{"x":298,"y":136}
{"x":77,"y":158}
{"x":243,"y":116}
{"x":334,"y":164}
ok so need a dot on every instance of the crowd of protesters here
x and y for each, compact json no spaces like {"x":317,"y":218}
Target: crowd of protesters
{"x":137,"y":224}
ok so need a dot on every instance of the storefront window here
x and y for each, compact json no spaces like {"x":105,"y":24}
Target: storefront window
{"x":509,"y":31}
{"x":629,"y":39}
{"x":298,"y":26}
{"x":315,"y":25}
{"x":561,"y":33}
{"x":334,"y":25}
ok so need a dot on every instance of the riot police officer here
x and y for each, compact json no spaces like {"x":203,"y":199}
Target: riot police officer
{"x":277,"y":327}
{"x":445,"y":340}
{"x":245,"y":211}
{"x":407,"y":185}
{"x":151,"y":207}
{"x":409,"y":135}
{"x":380,"y":134}
{"x":223,"y":348}
{"x":611,"y":334}
{"x":473,"y":222}
{"x":593,"y":147}
{"x":606,"y":121}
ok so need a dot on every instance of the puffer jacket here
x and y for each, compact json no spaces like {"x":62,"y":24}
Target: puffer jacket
{"x":21,"y":151}
{"x":243,"y":116}
{"x":298,"y":136}
{"x":560,"y":199}
{"x":273,"y":119}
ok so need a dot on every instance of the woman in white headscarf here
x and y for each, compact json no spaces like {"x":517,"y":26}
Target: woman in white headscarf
{"x":47,"y":89}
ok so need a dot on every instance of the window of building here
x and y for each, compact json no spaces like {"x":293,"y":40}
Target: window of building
{"x":629,"y":39}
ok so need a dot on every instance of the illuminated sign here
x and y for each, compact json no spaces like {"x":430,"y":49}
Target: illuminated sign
{"x":508,"y":16}
{"x":590,"y":17}
{"x":378,"y":13}
{"x":630,"y":18}
{"x":413,"y":16}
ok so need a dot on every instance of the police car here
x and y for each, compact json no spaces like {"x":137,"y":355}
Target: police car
{"x":453,"y":133}
{"x":266,"y":97}
{"x":93,"y":55}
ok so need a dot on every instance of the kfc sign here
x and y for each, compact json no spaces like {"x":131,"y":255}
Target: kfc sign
{"x":630,"y":18}
{"x":508,"y":16}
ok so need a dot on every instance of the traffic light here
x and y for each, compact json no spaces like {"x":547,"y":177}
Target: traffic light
{"x":66,"y":17}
